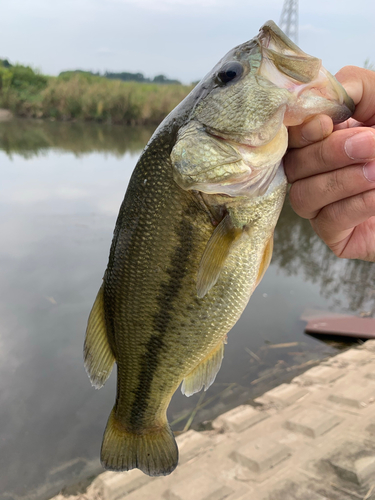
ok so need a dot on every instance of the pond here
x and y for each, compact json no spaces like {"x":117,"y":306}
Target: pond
{"x":61,"y":188}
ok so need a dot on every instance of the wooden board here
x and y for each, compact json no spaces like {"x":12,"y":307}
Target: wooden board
{"x":348,"y":326}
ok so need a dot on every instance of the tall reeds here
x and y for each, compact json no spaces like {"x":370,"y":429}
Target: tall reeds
{"x":81,"y":96}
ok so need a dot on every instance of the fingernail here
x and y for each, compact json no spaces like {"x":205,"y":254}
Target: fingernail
{"x":360,"y":146}
{"x":369,"y":171}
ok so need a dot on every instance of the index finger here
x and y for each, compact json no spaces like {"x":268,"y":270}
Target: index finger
{"x":316,"y":129}
{"x":359,"y":84}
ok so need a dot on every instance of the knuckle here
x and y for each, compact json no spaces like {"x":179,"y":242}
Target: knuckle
{"x":335,"y":182}
{"x":331,"y":215}
{"x":321,"y":156}
{"x":290,"y":163}
{"x":366,"y":202}
{"x":297,"y":198}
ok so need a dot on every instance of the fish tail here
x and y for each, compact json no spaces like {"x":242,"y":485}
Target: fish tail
{"x":153,"y":451}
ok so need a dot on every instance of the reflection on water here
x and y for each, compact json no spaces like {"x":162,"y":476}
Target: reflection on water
{"x":299,"y":251}
{"x":30,"y":138}
{"x":57,"y":214}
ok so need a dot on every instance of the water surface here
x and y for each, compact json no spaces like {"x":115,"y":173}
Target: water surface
{"x":60,"y":191}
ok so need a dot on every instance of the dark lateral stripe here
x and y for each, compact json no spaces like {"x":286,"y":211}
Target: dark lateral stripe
{"x":168,"y":294}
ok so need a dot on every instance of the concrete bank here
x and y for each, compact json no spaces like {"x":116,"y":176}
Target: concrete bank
{"x":312,"y":439}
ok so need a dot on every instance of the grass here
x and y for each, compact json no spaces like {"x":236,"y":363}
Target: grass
{"x":82,"y":96}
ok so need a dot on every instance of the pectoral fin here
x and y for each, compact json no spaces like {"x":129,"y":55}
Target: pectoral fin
{"x":204,"y":374}
{"x":215,"y":255}
{"x":267,"y":256}
{"x":98,"y":356}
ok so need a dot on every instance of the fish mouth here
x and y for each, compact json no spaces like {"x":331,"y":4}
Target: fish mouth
{"x":337,"y":93}
{"x":314,"y":88}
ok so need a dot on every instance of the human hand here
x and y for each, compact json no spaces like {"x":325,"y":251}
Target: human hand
{"x":332,"y":171}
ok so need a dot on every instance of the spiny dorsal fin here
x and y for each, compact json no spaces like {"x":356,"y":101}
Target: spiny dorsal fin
{"x":98,"y":356}
{"x":215,"y":254}
{"x":266,"y":259}
{"x":204,"y":374}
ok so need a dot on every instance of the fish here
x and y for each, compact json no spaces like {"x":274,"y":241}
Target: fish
{"x":194,"y":237}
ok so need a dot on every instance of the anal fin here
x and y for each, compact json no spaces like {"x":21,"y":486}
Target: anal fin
{"x":204,"y":373}
{"x":97,"y":353}
{"x":215,"y":255}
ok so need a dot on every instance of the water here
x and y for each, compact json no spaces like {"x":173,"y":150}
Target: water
{"x":61,"y":188}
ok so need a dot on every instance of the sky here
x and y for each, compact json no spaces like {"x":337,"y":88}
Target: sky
{"x":181,"y":39}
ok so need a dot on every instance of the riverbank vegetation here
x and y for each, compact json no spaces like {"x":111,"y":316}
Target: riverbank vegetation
{"x":78,"y":95}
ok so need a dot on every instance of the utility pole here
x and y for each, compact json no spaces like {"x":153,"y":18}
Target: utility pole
{"x":289,"y":19}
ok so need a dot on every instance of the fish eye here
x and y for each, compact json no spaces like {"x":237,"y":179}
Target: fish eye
{"x":230,"y":71}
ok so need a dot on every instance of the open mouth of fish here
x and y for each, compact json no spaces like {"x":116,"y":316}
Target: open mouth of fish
{"x":313,"y":89}
{"x":287,"y":66}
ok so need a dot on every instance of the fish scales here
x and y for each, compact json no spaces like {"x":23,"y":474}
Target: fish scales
{"x":194,"y":237}
{"x":184,"y":230}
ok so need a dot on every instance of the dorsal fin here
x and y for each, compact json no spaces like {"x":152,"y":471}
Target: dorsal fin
{"x":215,"y":255}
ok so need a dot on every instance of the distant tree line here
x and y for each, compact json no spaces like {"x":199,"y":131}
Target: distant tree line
{"x":126,"y":77}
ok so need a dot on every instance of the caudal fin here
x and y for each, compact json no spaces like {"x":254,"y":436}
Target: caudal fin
{"x":155,"y":452}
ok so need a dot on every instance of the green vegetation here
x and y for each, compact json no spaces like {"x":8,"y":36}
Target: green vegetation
{"x":80,"y":95}
{"x":124,"y":76}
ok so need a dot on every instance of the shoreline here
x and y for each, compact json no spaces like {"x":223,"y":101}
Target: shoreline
{"x":313,"y":438}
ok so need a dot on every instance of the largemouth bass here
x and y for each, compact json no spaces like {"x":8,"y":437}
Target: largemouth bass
{"x":194,"y":237}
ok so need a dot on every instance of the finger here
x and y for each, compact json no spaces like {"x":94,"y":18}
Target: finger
{"x":316,"y":129}
{"x":359,"y":84}
{"x":347,"y":124}
{"x":340,"y":149}
{"x":309,"y":196}
{"x":335,"y":223}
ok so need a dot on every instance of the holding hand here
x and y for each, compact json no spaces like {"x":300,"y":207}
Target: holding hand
{"x":332,"y":171}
